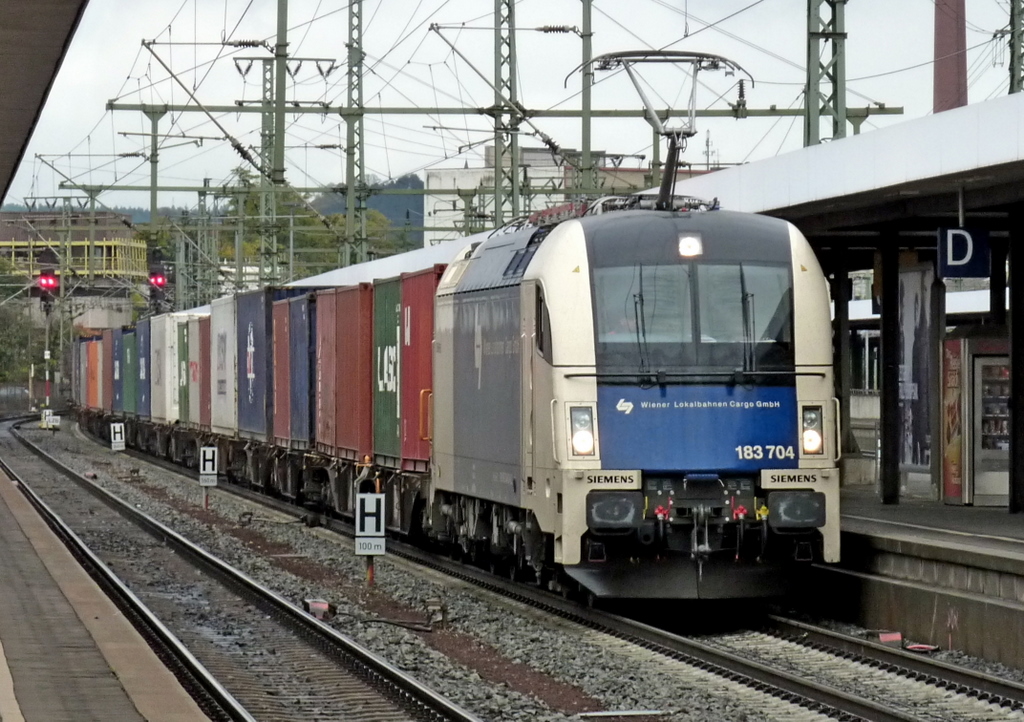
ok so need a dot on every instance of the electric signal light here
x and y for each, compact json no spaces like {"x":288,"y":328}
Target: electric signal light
{"x":158,"y":279}
{"x":48,"y":282}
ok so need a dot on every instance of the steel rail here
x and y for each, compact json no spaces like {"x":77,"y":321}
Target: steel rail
{"x":826,"y":700}
{"x":376,"y":666}
{"x":956,"y":679}
{"x":153,"y":628}
{"x":1001,"y":691}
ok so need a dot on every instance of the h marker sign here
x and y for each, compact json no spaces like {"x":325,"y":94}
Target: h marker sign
{"x":117,"y":437}
{"x":208,"y":466}
{"x":369,"y":524}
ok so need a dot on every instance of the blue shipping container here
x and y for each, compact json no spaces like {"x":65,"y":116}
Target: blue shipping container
{"x":129,"y":372}
{"x":302,"y":324}
{"x":145,"y":404}
{"x":118,"y":401}
{"x":254,"y":324}
{"x":255,"y":333}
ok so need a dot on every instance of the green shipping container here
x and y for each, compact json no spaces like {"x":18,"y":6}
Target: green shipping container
{"x":183,"y":373}
{"x":130,"y":371}
{"x":387,"y":439}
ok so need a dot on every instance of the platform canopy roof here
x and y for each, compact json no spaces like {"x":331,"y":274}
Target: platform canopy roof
{"x":908,"y":176}
{"x":390,"y":266}
{"x":34,"y":37}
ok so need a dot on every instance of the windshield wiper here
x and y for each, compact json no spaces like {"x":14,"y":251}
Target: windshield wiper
{"x":749,"y":351}
{"x":641,"y":325}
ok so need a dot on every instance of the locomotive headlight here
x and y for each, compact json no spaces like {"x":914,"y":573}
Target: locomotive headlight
{"x":690,"y":245}
{"x":581,"y":418}
{"x":811,"y":439}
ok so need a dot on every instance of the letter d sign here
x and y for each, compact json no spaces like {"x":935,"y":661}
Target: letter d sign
{"x":963,"y":253}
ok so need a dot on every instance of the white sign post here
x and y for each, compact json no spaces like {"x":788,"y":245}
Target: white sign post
{"x":207,"y":471}
{"x":49,"y":421}
{"x":369,"y":530}
{"x":117,"y":437}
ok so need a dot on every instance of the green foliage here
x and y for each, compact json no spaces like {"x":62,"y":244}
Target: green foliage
{"x":318,"y":237}
{"x":401,"y":210}
{"x":22,"y":341}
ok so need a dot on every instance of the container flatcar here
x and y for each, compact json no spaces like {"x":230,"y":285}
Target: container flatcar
{"x":631,"y":404}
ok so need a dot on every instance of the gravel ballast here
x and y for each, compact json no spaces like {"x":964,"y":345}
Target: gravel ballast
{"x":500,"y":659}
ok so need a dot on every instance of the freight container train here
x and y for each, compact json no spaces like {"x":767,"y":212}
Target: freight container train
{"x":632,"y":404}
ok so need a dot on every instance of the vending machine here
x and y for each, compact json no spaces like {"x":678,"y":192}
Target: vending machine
{"x":976,"y":417}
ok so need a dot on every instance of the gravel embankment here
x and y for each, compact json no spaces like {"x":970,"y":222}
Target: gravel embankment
{"x":495,"y":657}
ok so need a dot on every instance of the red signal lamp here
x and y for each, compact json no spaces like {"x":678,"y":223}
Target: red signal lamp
{"x":158,"y":279}
{"x":48,"y":282}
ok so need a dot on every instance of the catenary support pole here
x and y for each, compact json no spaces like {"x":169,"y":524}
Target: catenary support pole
{"x":1016,"y":226}
{"x":997,"y":284}
{"x":889,"y":466}
{"x":841,"y":336}
{"x":588,"y":180}
{"x":936,"y":406}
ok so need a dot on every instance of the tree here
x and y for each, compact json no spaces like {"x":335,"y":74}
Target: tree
{"x":314,"y":238}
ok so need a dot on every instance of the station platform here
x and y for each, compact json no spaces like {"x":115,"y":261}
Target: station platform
{"x":950,"y":576}
{"x":66,"y":651}
{"x":992,"y":527}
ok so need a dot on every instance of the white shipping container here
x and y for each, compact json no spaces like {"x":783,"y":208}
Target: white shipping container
{"x":223,"y":367}
{"x":163,"y":354}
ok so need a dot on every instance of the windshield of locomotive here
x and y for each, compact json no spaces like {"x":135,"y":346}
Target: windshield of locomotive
{"x":685,"y":314}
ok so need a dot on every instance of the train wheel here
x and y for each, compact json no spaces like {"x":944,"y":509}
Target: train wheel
{"x":541,"y":577}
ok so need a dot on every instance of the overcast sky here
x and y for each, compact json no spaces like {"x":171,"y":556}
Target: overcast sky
{"x":889,"y":50}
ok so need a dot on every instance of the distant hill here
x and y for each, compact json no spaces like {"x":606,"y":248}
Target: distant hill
{"x":401,"y":210}
{"x":139,"y":215}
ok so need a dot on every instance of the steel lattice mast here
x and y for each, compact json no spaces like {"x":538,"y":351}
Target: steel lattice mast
{"x":1016,"y":46}
{"x":355,"y":166}
{"x":825,"y":93}
{"x":506,"y":119}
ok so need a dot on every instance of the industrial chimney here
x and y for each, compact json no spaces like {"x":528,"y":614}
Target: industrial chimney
{"x":950,"y":73}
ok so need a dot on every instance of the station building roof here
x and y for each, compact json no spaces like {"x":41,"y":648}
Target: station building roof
{"x":34,"y":37}
{"x":910,"y":175}
{"x":390,"y":266}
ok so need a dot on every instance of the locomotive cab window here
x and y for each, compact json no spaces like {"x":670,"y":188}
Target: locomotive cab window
{"x":745,"y":302}
{"x":543,"y":330}
{"x":658,"y":309}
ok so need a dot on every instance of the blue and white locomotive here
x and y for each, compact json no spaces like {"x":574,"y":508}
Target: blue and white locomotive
{"x":639,"y":404}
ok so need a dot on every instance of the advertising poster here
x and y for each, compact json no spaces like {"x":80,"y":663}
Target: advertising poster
{"x":952,"y":422}
{"x":915,"y":381}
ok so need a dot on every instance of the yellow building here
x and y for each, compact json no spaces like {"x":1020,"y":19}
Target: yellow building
{"x":90,"y":247}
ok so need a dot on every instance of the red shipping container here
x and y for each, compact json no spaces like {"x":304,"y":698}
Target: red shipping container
{"x":282,"y":373}
{"x":93,"y":374}
{"x":107,"y":364}
{"x":416,"y":362}
{"x":204,"y":373}
{"x":326,"y":353}
{"x":354,"y":372}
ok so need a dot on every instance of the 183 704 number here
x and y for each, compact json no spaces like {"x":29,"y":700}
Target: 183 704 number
{"x":764,"y":452}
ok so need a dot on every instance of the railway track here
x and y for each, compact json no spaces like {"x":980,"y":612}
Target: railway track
{"x":824,"y":672}
{"x":243,"y":650}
